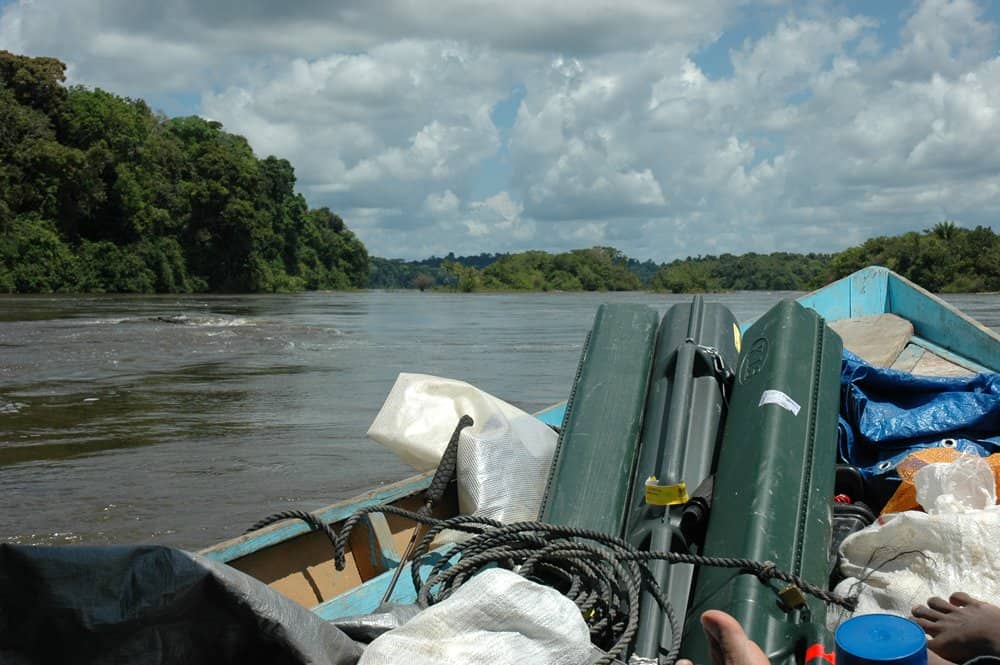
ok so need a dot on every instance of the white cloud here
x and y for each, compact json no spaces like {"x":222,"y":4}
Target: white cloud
{"x":499,"y":216}
{"x":826,"y":129}
{"x":441,"y":205}
{"x":375,"y":129}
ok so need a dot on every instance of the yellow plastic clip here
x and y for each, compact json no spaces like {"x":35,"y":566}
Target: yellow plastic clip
{"x":665,"y":495}
{"x":792,"y":596}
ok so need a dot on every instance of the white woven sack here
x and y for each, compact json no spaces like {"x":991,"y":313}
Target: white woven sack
{"x":419,"y":415}
{"x":496,"y":617}
{"x":503,"y":459}
{"x":905,"y":558}
{"x":500,"y":476}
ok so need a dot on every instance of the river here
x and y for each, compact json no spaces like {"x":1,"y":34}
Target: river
{"x":182,"y":420}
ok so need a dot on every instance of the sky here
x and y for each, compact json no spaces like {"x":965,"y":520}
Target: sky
{"x":663,"y":128}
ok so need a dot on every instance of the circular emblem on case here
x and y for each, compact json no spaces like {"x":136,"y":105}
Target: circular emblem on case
{"x":753,"y":360}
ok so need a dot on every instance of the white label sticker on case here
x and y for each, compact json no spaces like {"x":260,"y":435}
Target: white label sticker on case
{"x":781,"y":399}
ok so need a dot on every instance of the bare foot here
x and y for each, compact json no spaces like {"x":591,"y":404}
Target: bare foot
{"x":727,"y":641}
{"x":960,"y":627}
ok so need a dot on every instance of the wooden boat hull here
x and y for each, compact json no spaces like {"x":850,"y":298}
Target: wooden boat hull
{"x":938,"y":328}
{"x":298,"y":562}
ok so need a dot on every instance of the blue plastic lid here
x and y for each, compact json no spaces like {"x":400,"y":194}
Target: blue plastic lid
{"x":880,"y":639}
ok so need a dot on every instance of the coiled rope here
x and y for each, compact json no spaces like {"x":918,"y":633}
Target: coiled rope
{"x":603,"y":575}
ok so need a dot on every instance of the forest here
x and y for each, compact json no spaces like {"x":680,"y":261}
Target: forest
{"x":946,"y":258}
{"x":99,"y":194}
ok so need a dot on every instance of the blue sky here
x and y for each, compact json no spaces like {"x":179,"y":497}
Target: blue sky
{"x":664,"y":129}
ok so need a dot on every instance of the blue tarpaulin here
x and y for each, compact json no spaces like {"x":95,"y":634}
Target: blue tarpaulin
{"x":887,"y":414}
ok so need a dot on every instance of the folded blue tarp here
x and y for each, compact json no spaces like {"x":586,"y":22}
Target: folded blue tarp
{"x":887,"y":414}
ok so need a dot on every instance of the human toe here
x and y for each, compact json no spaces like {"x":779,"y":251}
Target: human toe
{"x":930,"y":627}
{"x":925,"y":612}
{"x":961,"y":599}
{"x":940,"y":605}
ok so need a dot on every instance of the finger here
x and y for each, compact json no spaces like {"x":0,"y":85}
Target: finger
{"x":940,"y":604}
{"x":930,"y":627}
{"x":717,"y":626}
{"x":923,"y":612}
{"x":728,"y":644}
{"x":714,"y":647}
{"x":961,"y":599}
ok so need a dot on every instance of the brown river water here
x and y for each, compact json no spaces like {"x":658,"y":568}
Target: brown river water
{"x":184,"y":419}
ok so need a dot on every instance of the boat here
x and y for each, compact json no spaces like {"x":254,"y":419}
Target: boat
{"x":880,"y":316}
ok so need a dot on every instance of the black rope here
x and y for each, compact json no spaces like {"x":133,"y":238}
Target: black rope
{"x":316,"y":523}
{"x":603,"y":575}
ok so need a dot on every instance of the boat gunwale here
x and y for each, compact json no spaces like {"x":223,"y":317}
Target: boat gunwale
{"x":285,"y":530}
{"x":871,"y":290}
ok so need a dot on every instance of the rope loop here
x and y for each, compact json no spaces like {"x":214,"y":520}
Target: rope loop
{"x":605,"y":576}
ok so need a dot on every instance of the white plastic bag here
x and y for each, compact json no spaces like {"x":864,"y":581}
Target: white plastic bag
{"x":905,"y":558}
{"x":503,"y":459}
{"x":496,"y":617}
{"x":957,"y":487}
{"x":501,"y":476}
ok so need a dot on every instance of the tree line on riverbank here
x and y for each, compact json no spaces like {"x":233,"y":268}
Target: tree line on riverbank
{"x":946,"y":258}
{"x":99,"y":194}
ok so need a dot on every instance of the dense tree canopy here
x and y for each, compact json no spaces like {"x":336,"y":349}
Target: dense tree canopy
{"x":946,"y":258}
{"x":400,"y":274}
{"x":779,"y":271}
{"x":99,"y":194}
{"x":595,"y":269}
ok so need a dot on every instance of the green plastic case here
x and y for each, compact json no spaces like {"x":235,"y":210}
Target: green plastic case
{"x":774,"y":483}
{"x":590,"y":480}
{"x":696,"y":347}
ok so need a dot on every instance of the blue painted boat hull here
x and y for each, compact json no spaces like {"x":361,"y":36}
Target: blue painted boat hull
{"x":297,"y":562}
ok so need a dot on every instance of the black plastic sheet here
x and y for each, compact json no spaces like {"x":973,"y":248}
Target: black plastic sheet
{"x":151,"y":604}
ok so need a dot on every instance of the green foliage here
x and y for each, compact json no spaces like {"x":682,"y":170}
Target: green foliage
{"x":33,"y":258}
{"x":688,"y":276}
{"x":140,"y":203}
{"x":35,"y":82}
{"x":779,"y":271}
{"x":422,"y":281}
{"x":519,"y":272}
{"x":644,"y":270}
{"x":106,"y":267}
{"x":946,"y":258}
{"x":466,"y":278}
{"x":595,"y":269}
{"x":400,"y":274}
